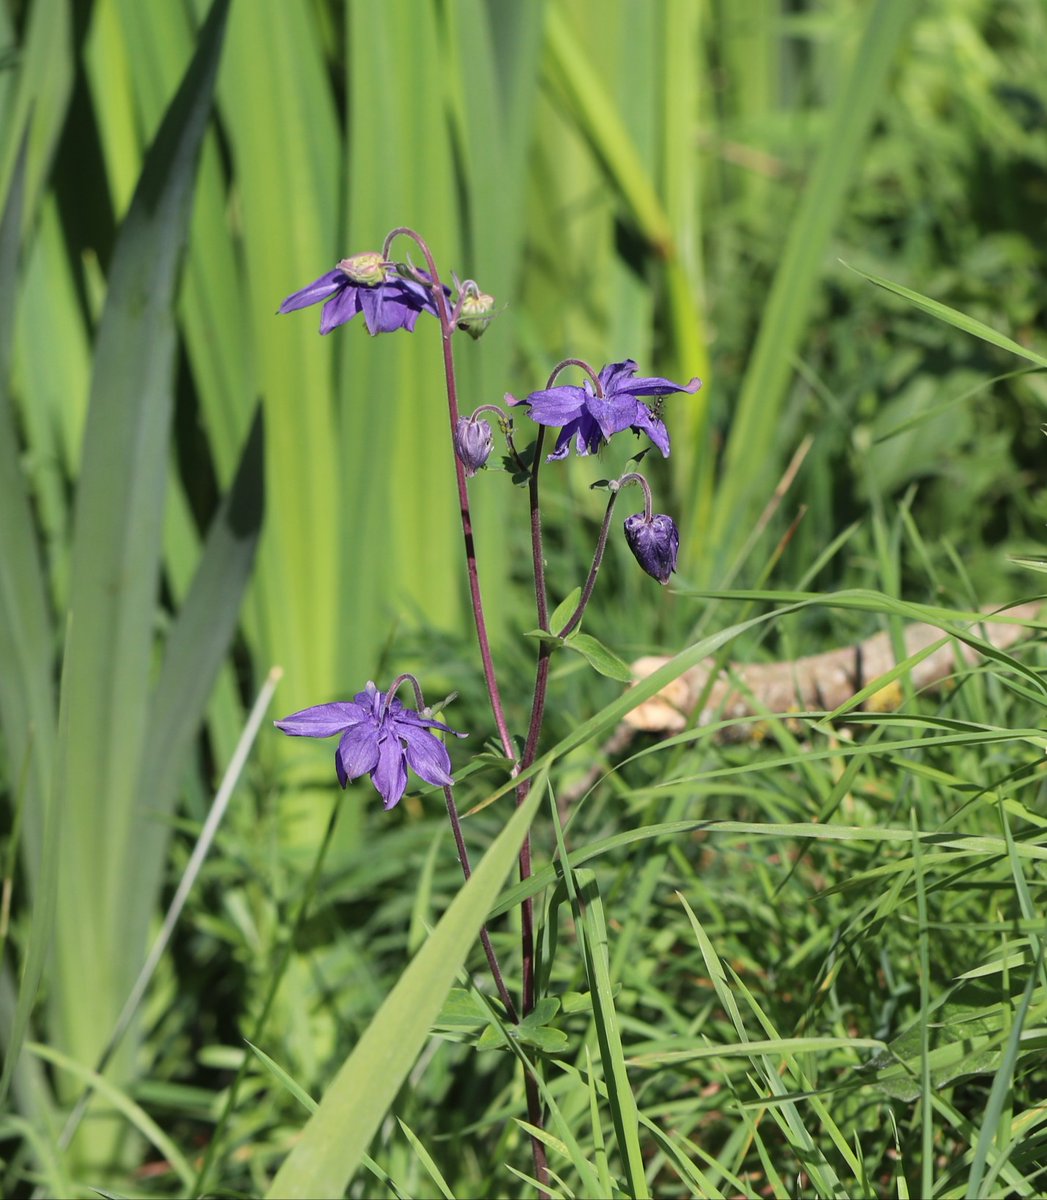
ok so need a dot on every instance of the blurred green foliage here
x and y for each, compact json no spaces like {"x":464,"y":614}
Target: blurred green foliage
{"x":681,"y":182}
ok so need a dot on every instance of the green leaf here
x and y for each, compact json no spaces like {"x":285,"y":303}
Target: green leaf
{"x":599,"y":657}
{"x":196,"y":648}
{"x":577,"y":1002}
{"x":335,"y":1139}
{"x":543,"y":635}
{"x":565,"y":609}
{"x":542,"y":1037}
{"x":462,"y":1010}
{"x":954,"y":317}
{"x":115,"y":571}
{"x":26,"y":694}
{"x":282,"y":1077}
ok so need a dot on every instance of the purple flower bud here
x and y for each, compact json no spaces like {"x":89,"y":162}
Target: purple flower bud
{"x":473,"y":442}
{"x":654,"y":543}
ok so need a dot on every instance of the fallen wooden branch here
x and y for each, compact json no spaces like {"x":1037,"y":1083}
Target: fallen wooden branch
{"x":740,"y":692}
{"x":820,"y":681}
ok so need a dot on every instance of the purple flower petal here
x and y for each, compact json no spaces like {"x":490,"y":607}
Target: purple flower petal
{"x":390,"y":776}
{"x":613,"y":413}
{"x":590,"y":420}
{"x":655,"y":385}
{"x":619,"y":377}
{"x":316,"y":291}
{"x":587,"y":438}
{"x":371,"y":303}
{"x":378,"y":738}
{"x":426,"y":755}
{"x":615,"y":375}
{"x":357,"y":752}
{"x":341,"y":308}
{"x":655,"y":429}
{"x":322,"y":720}
{"x":558,"y":405}
{"x":409,"y":717}
{"x":371,"y":699}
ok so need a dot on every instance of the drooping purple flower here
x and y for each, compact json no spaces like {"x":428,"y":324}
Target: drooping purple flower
{"x":379,"y":739}
{"x":473,"y":442}
{"x":364,"y":283}
{"x":592,"y":420}
{"x":655,"y":543}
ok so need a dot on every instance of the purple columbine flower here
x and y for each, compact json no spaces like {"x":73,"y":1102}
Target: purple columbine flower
{"x":473,"y":442}
{"x":365,"y":283}
{"x":379,"y":738}
{"x":655,"y":543}
{"x":592,"y":420}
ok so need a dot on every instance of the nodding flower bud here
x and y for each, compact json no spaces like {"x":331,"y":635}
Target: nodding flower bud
{"x":473,"y":442}
{"x":655,"y":543}
{"x":477,"y":311}
{"x":368,"y":268}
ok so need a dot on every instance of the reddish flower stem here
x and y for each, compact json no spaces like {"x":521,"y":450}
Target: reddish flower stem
{"x":590,"y":582}
{"x":476,"y":598}
{"x":492,"y":958}
{"x":447,"y":327}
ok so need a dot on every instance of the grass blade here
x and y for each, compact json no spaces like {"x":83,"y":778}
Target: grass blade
{"x":354,"y":1106}
{"x":952,"y":316}
{"x":196,"y":648}
{"x":115,"y":569}
{"x":26,"y":694}
{"x":751,"y":446}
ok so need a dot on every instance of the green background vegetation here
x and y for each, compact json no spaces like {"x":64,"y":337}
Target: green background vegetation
{"x":808,"y":964}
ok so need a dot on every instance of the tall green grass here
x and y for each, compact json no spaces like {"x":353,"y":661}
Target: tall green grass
{"x":802,"y":964}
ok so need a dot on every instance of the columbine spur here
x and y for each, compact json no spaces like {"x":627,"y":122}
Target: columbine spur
{"x":592,"y":420}
{"x":380,"y":737}
{"x":364,"y":283}
{"x":655,"y":543}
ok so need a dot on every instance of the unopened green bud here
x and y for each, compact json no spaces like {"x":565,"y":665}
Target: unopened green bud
{"x":368,"y":268}
{"x":477,"y":312}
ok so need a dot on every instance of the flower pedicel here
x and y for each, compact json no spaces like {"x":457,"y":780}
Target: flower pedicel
{"x":378,"y":735}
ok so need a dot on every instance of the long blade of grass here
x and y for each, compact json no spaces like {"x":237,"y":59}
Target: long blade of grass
{"x":354,"y":1106}
{"x":185,"y":885}
{"x":979,"y":1182}
{"x":116,"y":548}
{"x":954,"y":317}
{"x":39,"y":97}
{"x":126,"y":1106}
{"x":279,"y":112}
{"x":587,"y":906}
{"x":751,"y":446}
{"x":26,"y":693}
{"x":592,"y":923}
{"x":398,"y":472}
{"x":196,"y":648}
